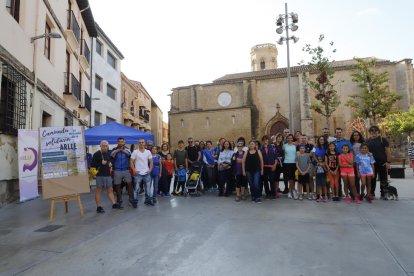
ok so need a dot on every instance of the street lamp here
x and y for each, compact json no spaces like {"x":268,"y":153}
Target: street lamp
{"x":33,"y":40}
{"x":283,"y":25}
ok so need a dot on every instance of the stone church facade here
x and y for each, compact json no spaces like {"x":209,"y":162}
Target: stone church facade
{"x":255,"y":103}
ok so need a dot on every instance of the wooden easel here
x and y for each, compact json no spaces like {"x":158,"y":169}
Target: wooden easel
{"x":66,"y":200}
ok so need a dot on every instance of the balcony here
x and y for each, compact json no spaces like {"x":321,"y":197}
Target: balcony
{"x":144,"y":115}
{"x":85,"y":55}
{"x":73,"y":31}
{"x":72,"y":86}
{"x":85,"y":101}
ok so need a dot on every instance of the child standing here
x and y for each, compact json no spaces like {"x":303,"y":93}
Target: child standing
{"x":321,"y":179}
{"x":181,"y":178}
{"x":365,"y":170}
{"x":331,"y":161}
{"x":346,"y":163}
{"x":303,"y":164}
{"x":169,"y":166}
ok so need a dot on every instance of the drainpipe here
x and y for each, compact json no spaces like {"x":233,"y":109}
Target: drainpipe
{"x":90,"y":83}
{"x":33,"y":94}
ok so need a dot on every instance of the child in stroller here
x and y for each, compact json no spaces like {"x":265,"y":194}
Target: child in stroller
{"x":194,"y":179}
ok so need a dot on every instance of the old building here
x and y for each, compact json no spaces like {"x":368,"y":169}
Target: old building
{"x":136,"y":104}
{"x":156,"y":122}
{"x":165,"y":132}
{"x":45,"y":72}
{"x":255,"y":103}
{"x":106,"y":81}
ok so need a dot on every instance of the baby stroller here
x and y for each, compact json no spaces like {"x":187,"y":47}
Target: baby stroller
{"x":194,"y":179}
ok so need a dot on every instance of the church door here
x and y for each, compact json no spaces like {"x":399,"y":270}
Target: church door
{"x":277,"y":127}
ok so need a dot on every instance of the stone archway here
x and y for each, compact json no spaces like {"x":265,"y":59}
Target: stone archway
{"x":277,"y":127}
{"x":277,"y":124}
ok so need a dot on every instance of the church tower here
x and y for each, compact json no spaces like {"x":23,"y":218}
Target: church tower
{"x":263,"y":57}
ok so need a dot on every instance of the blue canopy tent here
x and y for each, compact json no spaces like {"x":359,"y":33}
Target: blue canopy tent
{"x":112,"y":131}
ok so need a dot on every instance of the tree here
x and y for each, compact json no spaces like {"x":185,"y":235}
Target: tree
{"x":376,"y":99}
{"x":325,"y":93}
{"x":399,"y":123}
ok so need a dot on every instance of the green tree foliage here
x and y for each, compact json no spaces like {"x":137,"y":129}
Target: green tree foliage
{"x":376,"y":99}
{"x":399,"y":123}
{"x":325,"y":94}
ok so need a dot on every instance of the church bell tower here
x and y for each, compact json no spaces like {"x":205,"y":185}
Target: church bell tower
{"x":263,"y":57}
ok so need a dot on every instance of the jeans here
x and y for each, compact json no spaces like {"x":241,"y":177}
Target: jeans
{"x":146,"y":180}
{"x":381,"y":172}
{"x":155,"y":179}
{"x":254,"y":182}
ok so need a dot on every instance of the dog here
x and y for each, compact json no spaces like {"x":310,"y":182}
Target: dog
{"x":392,"y":193}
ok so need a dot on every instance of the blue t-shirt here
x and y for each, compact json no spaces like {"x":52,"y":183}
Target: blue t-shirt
{"x":208,"y":156}
{"x":290,"y":153}
{"x":365,"y":161}
{"x":156,"y":165}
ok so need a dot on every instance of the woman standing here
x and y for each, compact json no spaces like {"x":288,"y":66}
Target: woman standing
{"x":289,"y":164}
{"x":252,"y":168}
{"x":356,"y":140}
{"x":164,"y":185}
{"x":241,"y":183}
{"x":225,"y":175}
{"x":278,"y":146}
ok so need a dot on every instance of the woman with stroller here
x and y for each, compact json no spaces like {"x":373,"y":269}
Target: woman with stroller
{"x":225,"y":175}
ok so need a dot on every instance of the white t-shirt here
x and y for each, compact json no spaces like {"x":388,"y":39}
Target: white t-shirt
{"x":141,"y":161}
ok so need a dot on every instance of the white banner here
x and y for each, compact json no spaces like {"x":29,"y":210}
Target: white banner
{"x":63,"y":151}
{"x":28,"y":148}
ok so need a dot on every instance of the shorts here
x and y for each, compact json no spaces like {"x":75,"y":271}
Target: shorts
{"x":321,"y":180}
{"x":119,"y":175}
{"x":104,"y":182}
{"x":367,"y":174}
{"x":347,"y":172}
{"x":303,"y":179}
{"x":289,"y":171}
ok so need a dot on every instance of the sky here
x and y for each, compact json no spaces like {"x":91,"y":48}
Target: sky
{"x":173,"y":43}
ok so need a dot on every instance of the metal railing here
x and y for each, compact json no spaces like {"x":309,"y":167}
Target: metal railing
{"x":73,"y":24}
{"x":72,"y":86}
{"x":87,"y":101}
{"x":85,"y":51}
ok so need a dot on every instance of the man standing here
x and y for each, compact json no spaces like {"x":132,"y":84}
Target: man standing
{"x":380,"y":149}
{"x":120,"y":156}
{"x":328,"y":138}
{"x":101,"y":161}
{"x":340,"y":141}
{"x":180,"y":161}
{"x":192,"y":152}
{"x":269,"y":167}
{"x":141,"y":163}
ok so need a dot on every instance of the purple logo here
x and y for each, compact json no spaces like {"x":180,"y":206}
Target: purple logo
{"x":30,"y":154}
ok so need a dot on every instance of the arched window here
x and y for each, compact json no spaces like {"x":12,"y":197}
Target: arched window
{"x":262,"y":65}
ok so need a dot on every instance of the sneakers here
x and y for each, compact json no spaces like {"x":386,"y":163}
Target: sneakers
{"x":133,"y":203}
{"x":348,"y":199}
{"x":319,"y":199}
{"x":295,"y":194}
{"x":149,"y":203}
{"x":290,"y":195}
{"x":357,"y":201}
{"x":273,"y":197}
{"x":258,"y":200}
{"x":313,"y":196}
{"x":325,"y":199}
{"x":309,"y":197}
{"x":100,"y":210}
{"x":117,"y":206}
{"x":154,"y":200}
{"x":301,"y":197}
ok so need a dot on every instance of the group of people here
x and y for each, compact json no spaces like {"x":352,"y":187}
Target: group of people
{"x":253,"y":168}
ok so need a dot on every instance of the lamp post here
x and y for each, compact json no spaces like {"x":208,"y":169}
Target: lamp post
{"x":283,"y":25}
{"x":33,"y":40}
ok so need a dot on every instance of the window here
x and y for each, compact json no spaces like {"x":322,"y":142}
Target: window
{"x":132,"y":109}
{"x":99,"y":47}
{"x":109,"y":119}
{"x":110,"y":91}
{"x":46,"y":119}
{"x":262,"y":65}
{"x":47,"y":41}
{"x":68,"y":119}
{"x":98,"y":83}
{"x":111,"y":60}
{"x":13,"y":7}
{"x":12,"y":101}
{"x":98,"y":117}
